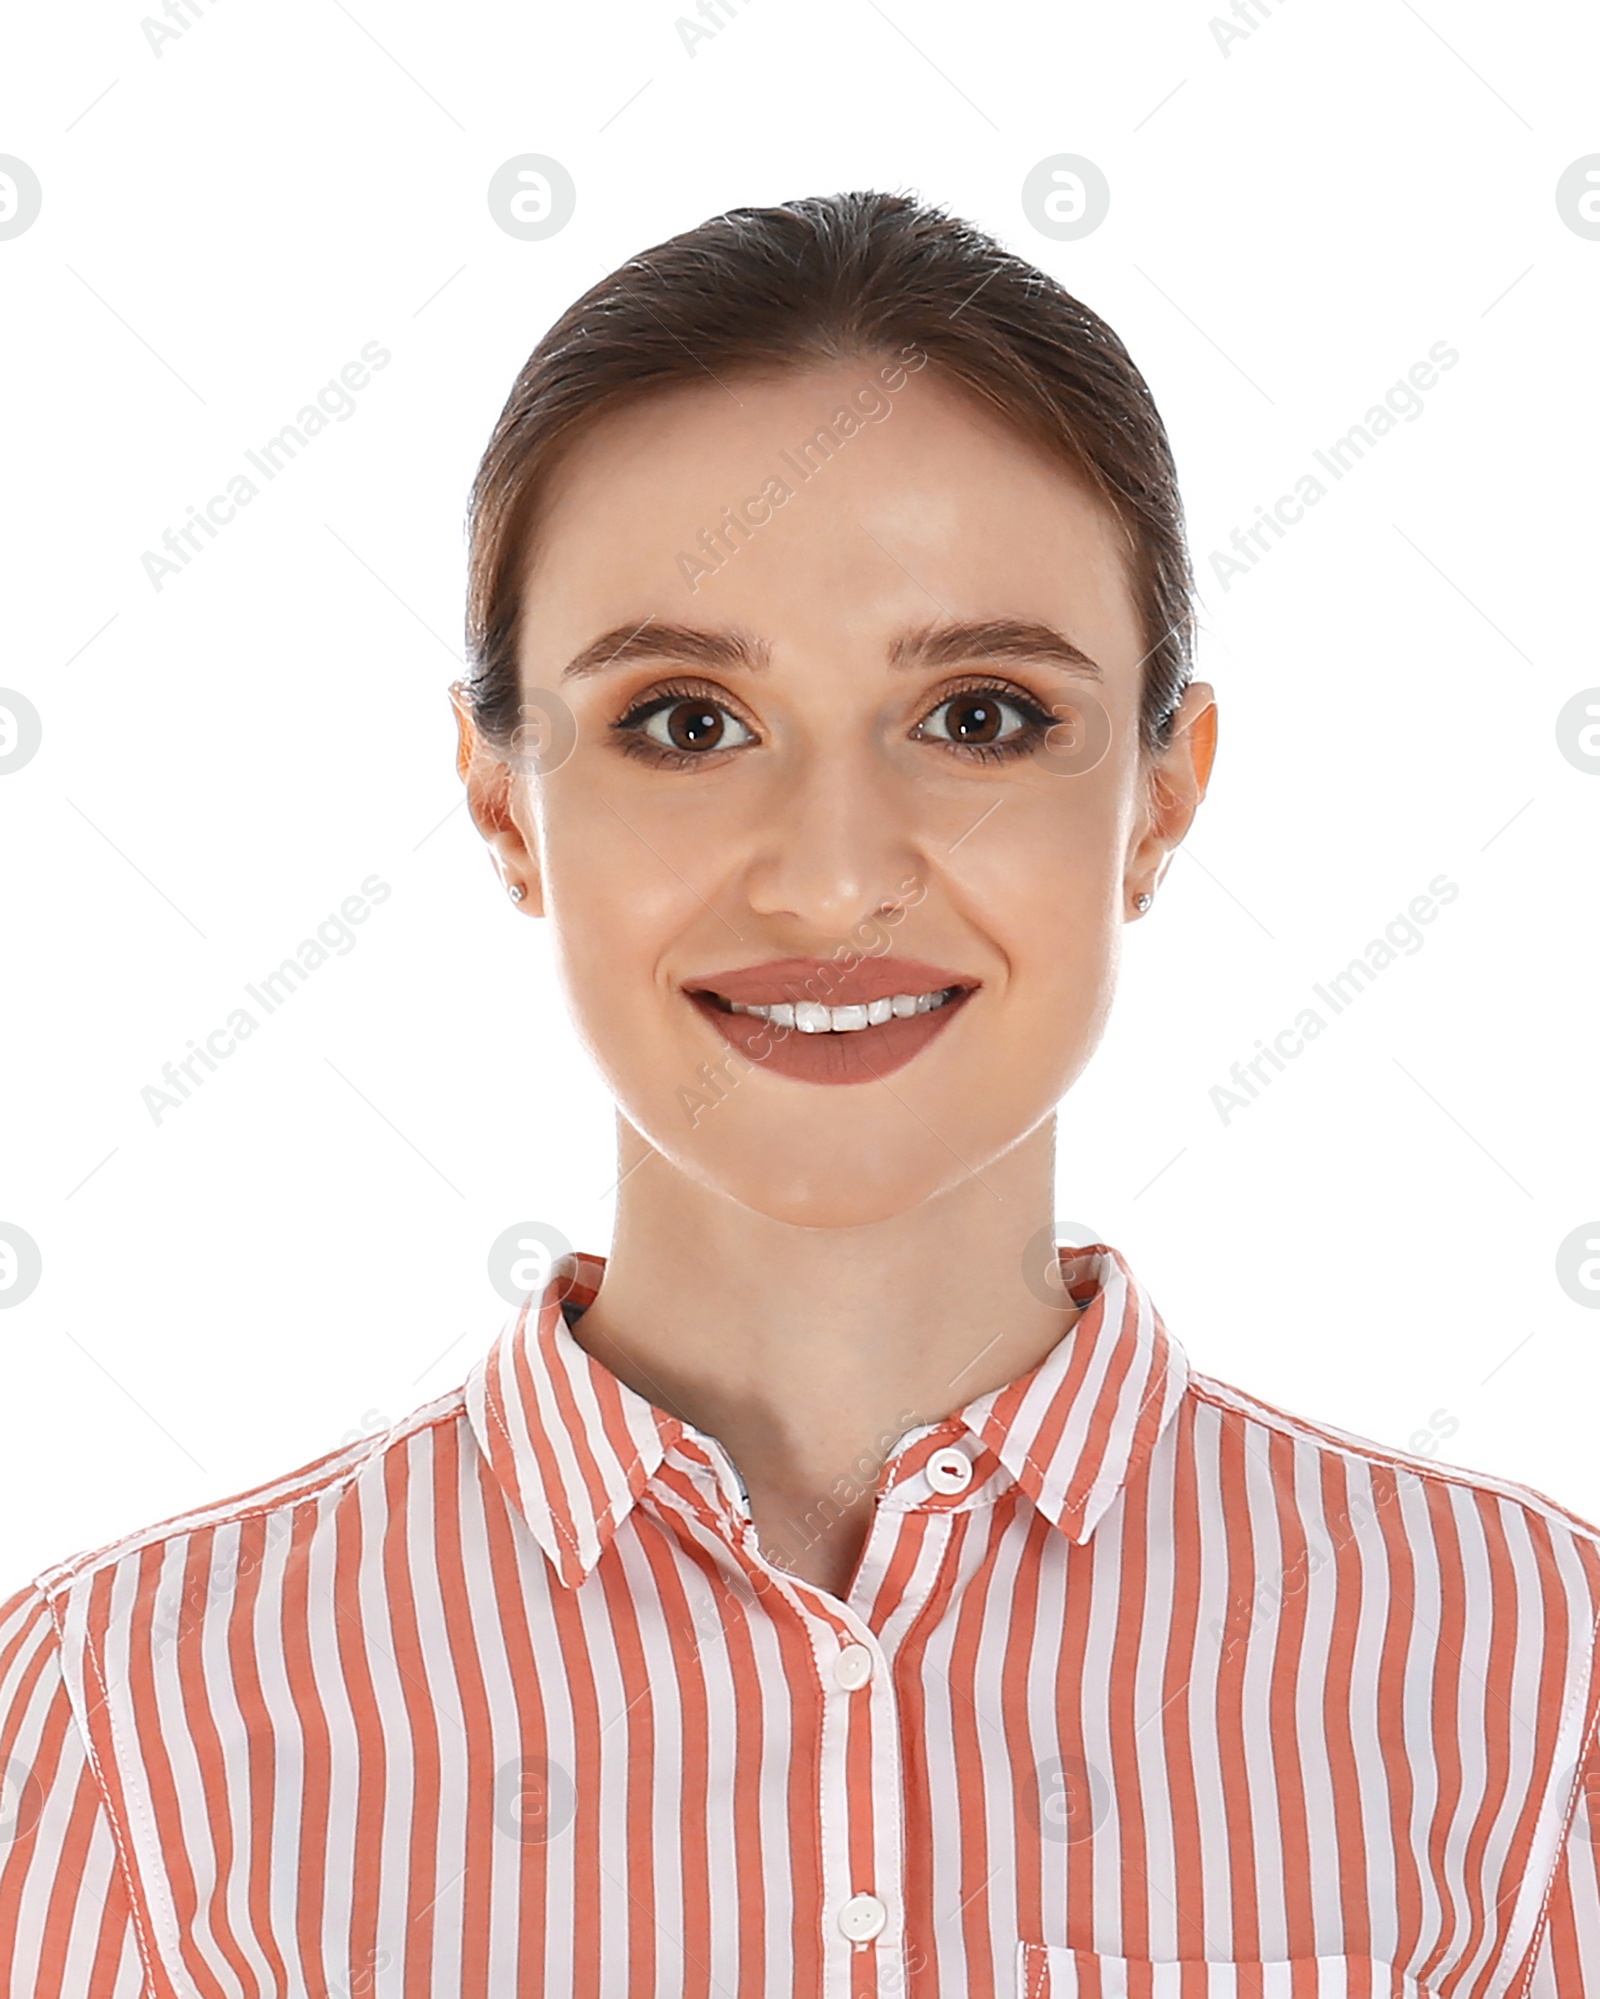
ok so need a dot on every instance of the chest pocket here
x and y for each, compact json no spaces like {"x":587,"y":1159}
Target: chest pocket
{"x":1047,"y":1971}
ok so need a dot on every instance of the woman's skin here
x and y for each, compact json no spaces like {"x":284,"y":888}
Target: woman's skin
{"x":805,"y":1270}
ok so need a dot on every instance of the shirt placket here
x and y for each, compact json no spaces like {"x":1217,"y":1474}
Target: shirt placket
{"x":860,"y":1781}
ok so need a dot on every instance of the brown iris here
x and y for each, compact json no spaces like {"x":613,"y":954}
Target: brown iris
{"x":694,"y":725}
{"x":984,"y":725}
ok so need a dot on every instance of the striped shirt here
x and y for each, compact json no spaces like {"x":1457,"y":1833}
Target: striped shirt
{"x":1142,"y":1689}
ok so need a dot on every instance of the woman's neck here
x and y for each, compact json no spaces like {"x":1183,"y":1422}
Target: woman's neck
{"x":808,"y":1352}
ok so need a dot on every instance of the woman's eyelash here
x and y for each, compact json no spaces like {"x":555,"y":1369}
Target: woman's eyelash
{"x":1037,"y":720}
{"x":628,"y":728}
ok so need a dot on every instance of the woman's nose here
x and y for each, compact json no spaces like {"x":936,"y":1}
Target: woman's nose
{"x":834,"y":841}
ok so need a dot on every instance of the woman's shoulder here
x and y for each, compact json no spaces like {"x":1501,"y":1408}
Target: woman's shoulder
{"x":238,"y":1533}
{"x":1387,"y":1472}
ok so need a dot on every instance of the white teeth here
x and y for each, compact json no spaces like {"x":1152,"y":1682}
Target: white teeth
{"x":812,"y":1017}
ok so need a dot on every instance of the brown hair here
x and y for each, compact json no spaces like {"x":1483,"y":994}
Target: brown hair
{"x":828,"y":278}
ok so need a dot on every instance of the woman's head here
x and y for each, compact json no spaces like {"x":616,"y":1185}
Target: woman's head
{"x":829,"y":612}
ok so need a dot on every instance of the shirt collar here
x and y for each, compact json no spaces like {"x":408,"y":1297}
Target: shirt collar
{"x":572,"y":1446}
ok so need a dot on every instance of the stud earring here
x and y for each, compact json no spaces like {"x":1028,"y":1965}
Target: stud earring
{"x":1141,"y":903}
{"x":516,"y":891}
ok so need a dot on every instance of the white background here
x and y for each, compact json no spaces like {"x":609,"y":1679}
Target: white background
{"x":298,"y":1252}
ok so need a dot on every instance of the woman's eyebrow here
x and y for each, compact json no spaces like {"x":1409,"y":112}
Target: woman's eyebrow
{"x":653,"y":639}
{"x":1004,"y":639}
{"x":1009,"y":639}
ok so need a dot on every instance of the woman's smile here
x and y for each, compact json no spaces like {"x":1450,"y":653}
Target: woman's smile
{"x":818,"y":1023}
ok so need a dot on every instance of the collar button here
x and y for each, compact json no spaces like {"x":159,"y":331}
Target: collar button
{"x":949,"y":1470}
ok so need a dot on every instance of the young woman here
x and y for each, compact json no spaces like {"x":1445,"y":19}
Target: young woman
{"x":841,"y":1587}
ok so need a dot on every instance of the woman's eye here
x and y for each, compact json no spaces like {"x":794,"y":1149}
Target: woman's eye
{"x":688,"y":725}
{"x":981,"y":717}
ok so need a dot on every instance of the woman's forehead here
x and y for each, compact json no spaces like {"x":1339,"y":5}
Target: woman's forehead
{"x":823,"y":493}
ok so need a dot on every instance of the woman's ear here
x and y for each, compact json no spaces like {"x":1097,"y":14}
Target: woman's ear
{"x":492,"y":800}
{"x":1177,"y":782}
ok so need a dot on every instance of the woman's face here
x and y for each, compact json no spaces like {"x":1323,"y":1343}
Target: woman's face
{"x":834,"y":758}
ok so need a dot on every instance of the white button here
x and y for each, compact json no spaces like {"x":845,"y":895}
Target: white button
{"x":862,"y":1917}
{"x":950,"y":1470}
{"x":852,"y":1667}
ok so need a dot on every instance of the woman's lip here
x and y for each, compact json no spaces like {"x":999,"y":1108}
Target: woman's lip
{"x":782,"y":981}
{"x":862,"y":1055}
